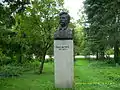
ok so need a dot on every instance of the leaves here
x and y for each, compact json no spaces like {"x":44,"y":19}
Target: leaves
{"x":103,"y":18}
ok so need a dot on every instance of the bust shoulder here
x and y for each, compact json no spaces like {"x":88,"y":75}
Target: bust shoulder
{"x":63,"y":33}
{"x":70,"y":30}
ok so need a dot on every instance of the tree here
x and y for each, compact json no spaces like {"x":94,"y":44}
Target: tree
{"x":78,"y":40}
{"x":103,"y":28}
{"x":6,"y":23}
{"x":17,"y":6}
{"x":39,"y":22}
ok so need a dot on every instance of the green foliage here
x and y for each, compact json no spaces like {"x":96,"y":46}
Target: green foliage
{"x":102,"y":28}
{"x":6,"y":20}
{"x":109,"y":52}
{"x":12,"y":70}
{"x":33,"y":65}
{"x":101,"y":63}
{"x":4,"y":59}
{"x":9,"y":70}
{"x":6,"y":35}
{"x":42,"y":17}
{"x":27,"y":29}
{"x":17,"y":6}
{"x":49,"y":60}
{"x":78,"y":40}
{"x":50,"y":51}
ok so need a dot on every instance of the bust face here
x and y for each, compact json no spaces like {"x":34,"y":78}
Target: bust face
{"x":64,"y":20}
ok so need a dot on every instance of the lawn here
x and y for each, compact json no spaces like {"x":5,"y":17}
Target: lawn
{"x":89,"y":75}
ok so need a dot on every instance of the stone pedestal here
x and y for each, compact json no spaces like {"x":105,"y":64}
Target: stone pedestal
{"x":64,"y":65}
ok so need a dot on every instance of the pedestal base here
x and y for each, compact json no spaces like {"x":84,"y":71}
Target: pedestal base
{"x":64,"y":64}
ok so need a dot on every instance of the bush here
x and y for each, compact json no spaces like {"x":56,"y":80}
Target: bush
{"x":110,"y":61}
{"x":102,"y":64}
{"x":35,"y":66}
{"x":16,"y":70}
{"x":32,"y":65}
{"x":4,"y":59}
{"x":49,"y":60}
{"x":8,"y":71}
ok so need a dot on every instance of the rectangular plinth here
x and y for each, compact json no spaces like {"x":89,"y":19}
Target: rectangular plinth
{"x":64,"y":65}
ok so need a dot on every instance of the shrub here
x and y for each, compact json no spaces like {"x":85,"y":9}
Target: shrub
{"x":16,"y":70}
{"x":8,"y":70}
{"x":4,"y":59}
{"x":33,"y":65}
{"x":110,"y":61}
{"x":49,"y":60}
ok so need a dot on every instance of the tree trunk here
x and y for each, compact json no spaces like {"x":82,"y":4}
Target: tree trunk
{"x":97,"y":55}
{"x":102,"y":54}
{"x":42,"y":64}
{"x":19,"y":55}
{"x":116,"y":52}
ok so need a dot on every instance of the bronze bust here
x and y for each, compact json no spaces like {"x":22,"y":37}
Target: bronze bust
{"x":63,"y":32}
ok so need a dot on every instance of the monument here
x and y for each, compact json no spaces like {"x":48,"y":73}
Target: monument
{"x":63,"y":53}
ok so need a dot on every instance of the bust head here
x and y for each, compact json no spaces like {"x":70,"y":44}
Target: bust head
{"x":64,"y":19}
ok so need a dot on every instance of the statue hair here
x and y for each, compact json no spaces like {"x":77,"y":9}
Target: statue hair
{"x":65,"y":13}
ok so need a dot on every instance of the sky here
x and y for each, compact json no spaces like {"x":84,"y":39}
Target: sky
{"x":73,"y":6}
{"x":0,"y":0}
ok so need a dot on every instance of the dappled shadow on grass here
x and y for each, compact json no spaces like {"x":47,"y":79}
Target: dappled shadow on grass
{"x":100,"y":64}
{"x":43,"y":73}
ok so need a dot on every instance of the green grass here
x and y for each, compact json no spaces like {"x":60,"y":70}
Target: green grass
{"x":96,"y":76}
{"x":88,"y":76}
